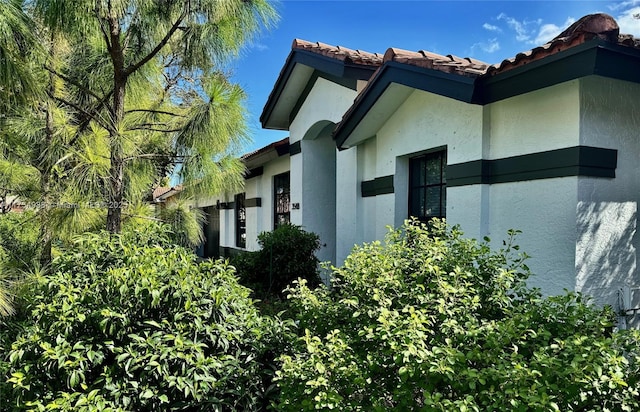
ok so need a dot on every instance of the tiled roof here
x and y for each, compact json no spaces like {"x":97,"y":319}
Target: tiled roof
{"x":592,"y":26}
{"x":449,"y":64}
{"x":273,"y":146}
{"x":340,"y":53}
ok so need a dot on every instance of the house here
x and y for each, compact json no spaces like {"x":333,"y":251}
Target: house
{"x":233,"y":222}
{"x":547,"y":142}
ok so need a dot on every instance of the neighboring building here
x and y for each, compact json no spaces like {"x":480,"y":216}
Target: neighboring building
{"x":233,"y":222}
{"x":546,"y":142}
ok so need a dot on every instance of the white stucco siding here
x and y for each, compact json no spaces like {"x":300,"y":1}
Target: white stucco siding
{"x":325,"y":101}
{"x":347,"y":197}
{"x":545,"y":119}
{"x":366,"y":206}
{"x":425,"y":121}
{"x":468,"y":206}
{"x":607,"y":209}
{"x":544,"y":210}
{"x":265,"y":221}
{"x":314,"y":170}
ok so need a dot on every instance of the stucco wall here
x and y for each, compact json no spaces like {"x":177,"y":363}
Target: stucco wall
{"x":544,"y":210}
{"x":259,"y":219}
{"x":607,"y":209}
{"x":542,"y":120}
{"x":314,"y":178}
{"x":423,"y":121}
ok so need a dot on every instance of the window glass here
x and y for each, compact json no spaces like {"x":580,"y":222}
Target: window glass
{"x":427,"y":186}
{"x":241,"y":221}
{"x":281,"y":199}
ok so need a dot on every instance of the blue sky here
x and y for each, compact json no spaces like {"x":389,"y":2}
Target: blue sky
{"x":486,"y":30}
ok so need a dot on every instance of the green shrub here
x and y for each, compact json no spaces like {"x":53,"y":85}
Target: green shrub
{"x":431,"y":321}
{"x":129,"y":322}
{"x":285,"y":254}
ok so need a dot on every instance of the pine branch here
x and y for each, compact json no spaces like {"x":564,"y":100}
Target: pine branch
{"x":73,"y":82}
{"x":154,"y":111}
{"x":132,"y":68}
{"x":151,"y":129}
{"x":81,"y":110}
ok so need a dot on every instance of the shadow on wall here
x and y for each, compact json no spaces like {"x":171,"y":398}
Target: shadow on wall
{"x":606,"y":252}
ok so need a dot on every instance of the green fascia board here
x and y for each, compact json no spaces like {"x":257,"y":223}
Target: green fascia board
{"x":595,"y":57}
{"x":435,"y":81}
{"x":318,"y":62}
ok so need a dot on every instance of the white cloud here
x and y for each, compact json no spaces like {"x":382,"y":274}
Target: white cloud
{"x":260,"y":46}
{"x":491,"y":27}
{"x":491,"y":46}
{"x":549,"y":31}
{"x":628,"y":22}
{"x":623,"y":5}
{"x":518,"y":26}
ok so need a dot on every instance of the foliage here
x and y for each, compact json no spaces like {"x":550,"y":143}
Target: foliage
{"x":109,"y":98}
{"x":16,"y":40}
{"x":286,"y":254}
{"x":431,"y":321}
{"x":19,"y":248}
{"x":185,"y":222}
{"x":129,"y":322}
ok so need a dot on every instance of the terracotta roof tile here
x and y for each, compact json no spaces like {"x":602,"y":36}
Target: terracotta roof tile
{"x":271,"y":146}
{"x":598,"y":25}
{"x":592,"y":26}
{"x":429,"y":60}
{"x":339,"y":52}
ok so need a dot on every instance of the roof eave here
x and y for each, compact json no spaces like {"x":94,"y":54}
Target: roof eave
{"x":593,"y":57}
{"x":459,"y":87}
{"x":316,"y":62}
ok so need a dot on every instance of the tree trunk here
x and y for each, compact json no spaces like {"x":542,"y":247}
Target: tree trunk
{"x":45,"y":188}
{"x":115,"y":191}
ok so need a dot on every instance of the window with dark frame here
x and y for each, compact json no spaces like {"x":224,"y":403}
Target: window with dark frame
{"x":241,"y":221}
{"x":281,"y":199}
{"x":428,"y":186}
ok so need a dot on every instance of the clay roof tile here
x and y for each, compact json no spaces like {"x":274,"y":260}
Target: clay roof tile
{"x":339,"y":52}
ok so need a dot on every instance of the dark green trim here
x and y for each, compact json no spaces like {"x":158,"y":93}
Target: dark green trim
{"x":594,"y":57}
{"x":320,"y":63}
{"x":570,"y":161}
{"x":255,"y":172}
{"x":226,"y":205}
{"x":435,"y":81}
{"x":253,"y":202}
{"x":295,"y":148}
{"x":226,"y":251}
{"x":282,"y":149}
{"x":345,"y":82}
{"x":576,"y":62}
{"x":378,"y":186}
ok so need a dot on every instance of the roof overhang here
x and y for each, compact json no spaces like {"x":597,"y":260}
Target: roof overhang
{"x":389,"y":88}
{"x":301,"y":70}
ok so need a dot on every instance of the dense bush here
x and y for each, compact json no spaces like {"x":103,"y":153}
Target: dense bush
{"x":430,"y":321}
{"x":129,"y":322}
{"x":285,"y":254}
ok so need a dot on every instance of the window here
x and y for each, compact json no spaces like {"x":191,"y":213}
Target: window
{"x":428,"y":186}
{"x":281,"y":192}
{"x":241,"y":221}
